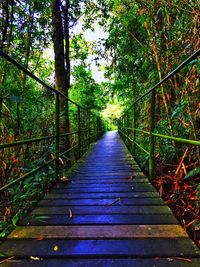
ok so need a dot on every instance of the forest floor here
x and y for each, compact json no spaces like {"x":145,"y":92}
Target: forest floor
{"x":183,"y":198}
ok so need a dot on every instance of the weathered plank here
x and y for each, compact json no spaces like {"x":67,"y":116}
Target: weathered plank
{"x":104,"y":202}
{"x":107,"y":183}
{"x":113,"y":186}
{"x":143,"y":247}
{"x":99,"y":232}
{"x":83,"y":210}
{"x":103,"y":181}
{"x":100,"y":189}
{"x":150,"y":262}
{"x":114,"y":219}
{"x":102,"y":195}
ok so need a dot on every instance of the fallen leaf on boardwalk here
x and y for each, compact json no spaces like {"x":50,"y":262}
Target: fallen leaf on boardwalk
{"x":65,"y":179}
{"x":40,"y":238}
{"x":55,"y":248}
{"x":70,"y":213}
{"x":113,"y":202}
{"x":35,"y":258}
{"x":183,"y":259}
{"x":10,"y":258}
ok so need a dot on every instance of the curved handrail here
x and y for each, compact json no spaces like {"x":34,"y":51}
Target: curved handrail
{"x":176,"y":70}
{"x":56,"y":137}
{"x":29,"y":73}
{"x":125,"y":130}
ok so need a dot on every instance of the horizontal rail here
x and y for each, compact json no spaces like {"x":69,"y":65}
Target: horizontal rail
{"x":174,"y":138}
{"x":27,"y":141}
{"x":142,"y":148}
{"x":21,"y":67}
{"x":58,"y":135}
{"x":68,"y":134}
{"x":68,"y":150}
{"x":176,"y":70}
{"x":127,"y":136}
{"x":25,"y":176}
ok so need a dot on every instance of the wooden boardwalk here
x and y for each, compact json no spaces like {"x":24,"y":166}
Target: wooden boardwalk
{"x":109,"y":215}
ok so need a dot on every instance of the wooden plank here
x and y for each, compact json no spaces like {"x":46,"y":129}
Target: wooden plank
{"x":102,"y":195}
{"x":102,"y":210}
{"x":101,"y":202}
{"x":97,"y":185}
{"x":102,"y":175}
{"x":114,"y":219}
{"x":99,"y":232}
{"x":146,"y":188}
{"x":152,"y":247}
{"x":110,"y":186}
{"x":98,"y":177}
{"x":104,"y":181}
{"x":105,"y":173}
{"x":66,"y":262}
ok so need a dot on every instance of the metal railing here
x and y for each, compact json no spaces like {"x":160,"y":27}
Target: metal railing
{"x":128,"y":124}
{"x":88,"y":128}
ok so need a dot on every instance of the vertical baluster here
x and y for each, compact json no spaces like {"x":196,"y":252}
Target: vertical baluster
{"x":133,"y":129}
{"x":97,"y":128}
{"x":127,"y":130}
{"x":88,"y":139}
{"x":57,"y":133}
{"x":152,"y":141}
{"x":18,"y":120}
{"x":123,"y":128}
{"x":79,"y":132}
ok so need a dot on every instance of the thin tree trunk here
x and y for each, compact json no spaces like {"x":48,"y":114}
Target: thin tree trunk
{"x":61,"y":73}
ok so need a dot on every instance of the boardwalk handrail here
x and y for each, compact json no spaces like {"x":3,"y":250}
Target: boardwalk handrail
{"x":127,"y":128}
{"x":90,"y":136}
{"x":30,"y":74}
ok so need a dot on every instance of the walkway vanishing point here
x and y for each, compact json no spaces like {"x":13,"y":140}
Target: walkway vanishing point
{"x":109,"y":215}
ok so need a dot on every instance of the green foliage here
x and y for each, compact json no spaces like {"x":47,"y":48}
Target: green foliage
{"x":193,"y":173}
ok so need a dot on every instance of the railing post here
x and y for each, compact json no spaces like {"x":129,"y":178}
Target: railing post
{"x":79,"y":132}
{"x":97,"y":128}
{"x":123,"y":128}
{"x":88,"y":141}
{"x":127,"y":130}
{"x":18,"y":120}
{"x":152,"y":141}
{"x":57,"y":133}
{"x":133,"y":130}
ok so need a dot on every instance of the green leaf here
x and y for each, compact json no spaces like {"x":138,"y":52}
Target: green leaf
{"x":192,"y":173}
{"x":194,"y":61}
{"x":15,"y":219}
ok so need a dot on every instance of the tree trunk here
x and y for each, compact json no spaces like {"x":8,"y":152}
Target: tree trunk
{"x":62,"y":74}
